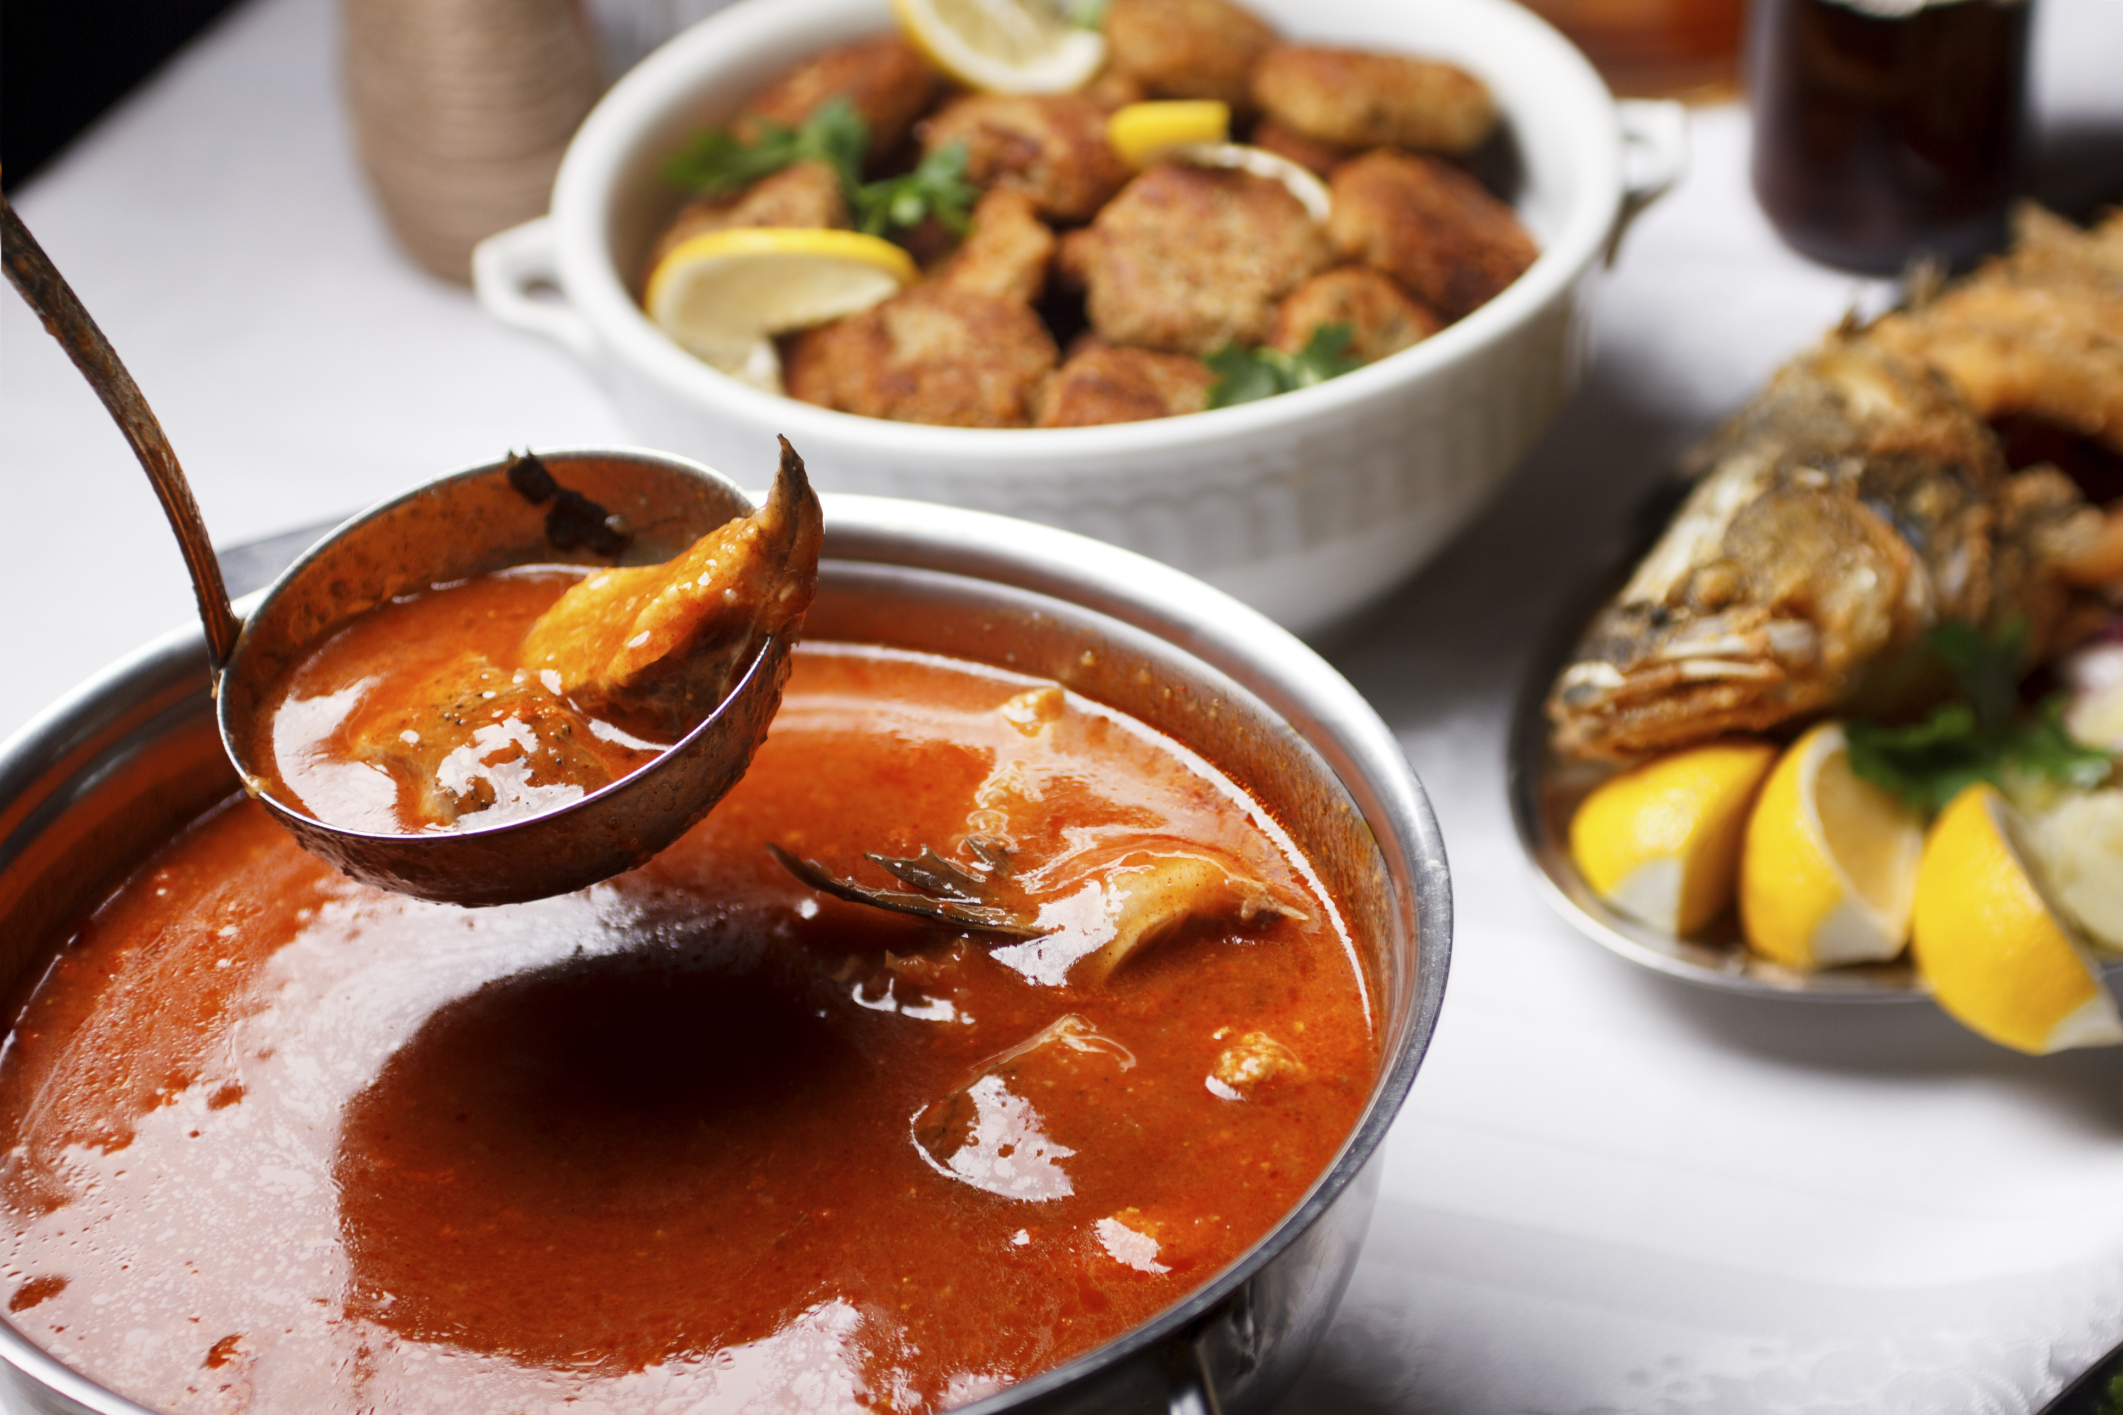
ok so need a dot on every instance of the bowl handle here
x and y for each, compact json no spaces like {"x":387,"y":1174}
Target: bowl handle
{"x":1654,"y":158}
{"x":511,"y":268}
{"x":1189,"y":1389}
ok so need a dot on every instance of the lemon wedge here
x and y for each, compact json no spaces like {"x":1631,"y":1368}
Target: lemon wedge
{"x":1998,"y":957}
{"x":1141,"y":132}
{"x":1660,"y":842}
{"x":725,"y":294}
{"x":1829,"y":869}
{"x":2076,"y":847}
{"x":1004,"y":46}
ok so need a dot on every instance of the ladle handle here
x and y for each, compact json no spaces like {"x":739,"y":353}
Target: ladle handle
{"x":32,"y":273}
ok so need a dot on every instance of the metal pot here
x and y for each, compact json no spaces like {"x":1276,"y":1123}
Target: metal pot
{"x":110,"y":772}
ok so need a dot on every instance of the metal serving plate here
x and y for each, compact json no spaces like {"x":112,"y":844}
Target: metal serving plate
{"x":1545,"y":790}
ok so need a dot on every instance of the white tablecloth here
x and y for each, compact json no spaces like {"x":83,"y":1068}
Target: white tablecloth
{"x":1609,"y":1191}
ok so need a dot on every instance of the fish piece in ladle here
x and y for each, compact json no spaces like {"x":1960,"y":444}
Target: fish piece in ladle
{"x":485,"y":704}
{"x":475,"y":738}
{"x":666,"y":642}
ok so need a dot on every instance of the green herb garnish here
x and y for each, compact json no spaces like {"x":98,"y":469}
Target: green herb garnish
{"x":2113,"y":1403}
{"x":1244,"y":375}
{"x":938,"y":188}
{"x":718,"y":161}
{"x":1982,"y":737}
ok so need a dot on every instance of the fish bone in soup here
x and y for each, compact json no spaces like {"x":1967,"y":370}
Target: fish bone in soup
{"x":702,"y":1137}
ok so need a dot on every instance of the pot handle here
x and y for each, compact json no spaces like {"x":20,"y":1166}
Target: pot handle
{"x":511,"y":267}
{"x":1654,"y":158}
{"x":1191,"y":1391}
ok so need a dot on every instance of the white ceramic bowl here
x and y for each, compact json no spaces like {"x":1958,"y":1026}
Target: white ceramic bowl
{"x":1306,"y":505}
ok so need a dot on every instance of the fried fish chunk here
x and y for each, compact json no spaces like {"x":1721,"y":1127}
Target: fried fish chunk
{"x":1317,"y":157}
{"x":1187,"y":259}
{"x":1104,"y":384}
{"x":964,"y":349}
{"x":2037,"y":331}
{"x":806,"y":194}
{"x":1007,"y":252}
{"x":1380,"y":317}
{"x":1855,"y":503}
{"x":884,"y":77}
{"x":1052,"y":147}
{"x":1360,"y":98}
{"x":1430,"y":226}
{"x":935,"y":354}
{"x":1114,"y":87}
{"x":1188,"y":48}
{"x":666,"y":643}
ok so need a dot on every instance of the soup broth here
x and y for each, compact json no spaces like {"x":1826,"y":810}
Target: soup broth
{"x":699,"y":1138}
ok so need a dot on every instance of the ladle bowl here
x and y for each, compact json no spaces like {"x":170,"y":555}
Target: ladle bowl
{"x":467,"y":524}
{"x":471,"y":523}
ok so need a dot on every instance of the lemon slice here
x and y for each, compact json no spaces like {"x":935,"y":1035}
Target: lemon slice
{"x":1142,"y":132}
{"x":1998,"y":957}
{"x":1661,"y":842}
{"x":725,"y":294}
{"x":1004,"y":46}
{"x":1829,"y":869}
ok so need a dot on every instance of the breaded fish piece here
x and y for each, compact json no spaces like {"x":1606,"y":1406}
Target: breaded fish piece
{"x":1854,"y":504}
{"x":1187,"y":259}
{"x":1359,"y":98}
{"x":1381,"y":318}
{"x":807,"y":194}
{"x":1188,"y":48}
{"x":2038,"y":331}
{"x":1052,"y":147}
{"x":1007,"y":252}
{"x":934,"y":354}
{"x":1430,"y":226}
{"x":1317,"y":157}
{"x":884,"y":76}
{"x":667,"y":642}
{"x":1104,"y":384}
{"x":1114,"y":87}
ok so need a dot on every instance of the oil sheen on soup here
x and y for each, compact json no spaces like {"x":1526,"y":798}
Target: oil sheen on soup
{"x":700,"y":1138}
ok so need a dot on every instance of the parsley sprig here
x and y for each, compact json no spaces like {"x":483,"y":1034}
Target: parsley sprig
{"x":719,"y":161}
{"x":1982,"y":736}
{"x":937,"y":187}
{"x":1245,"y":375}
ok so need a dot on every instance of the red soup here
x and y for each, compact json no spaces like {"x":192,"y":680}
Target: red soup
{"x":702,"y":1138}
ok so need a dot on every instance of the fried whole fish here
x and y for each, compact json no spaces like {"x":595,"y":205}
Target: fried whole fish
{"x":2038,"y":331}
{"x":1855,"y":503}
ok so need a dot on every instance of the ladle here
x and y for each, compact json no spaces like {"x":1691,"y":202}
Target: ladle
{"x":465,"y":524}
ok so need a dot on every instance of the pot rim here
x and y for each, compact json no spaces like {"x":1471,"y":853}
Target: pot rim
{"x":1575,"y":110}
{"x":1292,"y":680}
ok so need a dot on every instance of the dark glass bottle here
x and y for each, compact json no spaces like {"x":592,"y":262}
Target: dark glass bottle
{"x":1887,"y":130}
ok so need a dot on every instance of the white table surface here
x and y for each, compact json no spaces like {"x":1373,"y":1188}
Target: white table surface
{"x":1608,"y":1192}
